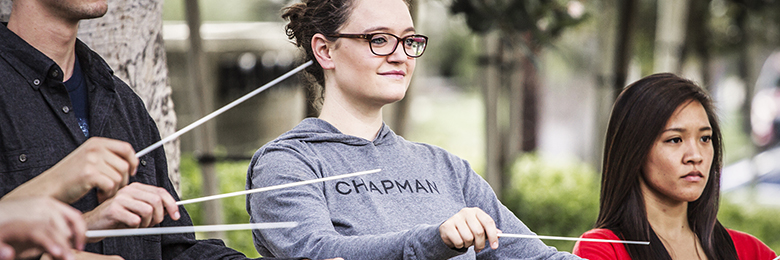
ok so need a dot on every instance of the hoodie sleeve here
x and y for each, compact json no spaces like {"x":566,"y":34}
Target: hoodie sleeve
{"x":315,"y":236}
{"x":478,"y":193}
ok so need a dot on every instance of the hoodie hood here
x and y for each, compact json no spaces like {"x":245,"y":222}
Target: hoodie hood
{"x":317,"y":130}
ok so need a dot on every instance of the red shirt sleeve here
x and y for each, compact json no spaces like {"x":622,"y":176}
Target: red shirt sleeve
{"x":749,"y":247}
{"x":600,"y":250}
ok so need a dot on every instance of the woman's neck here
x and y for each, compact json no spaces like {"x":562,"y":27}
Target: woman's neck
{"x":665,"y":215}
{"x":352,"y":118}
{"x":669,"y":220}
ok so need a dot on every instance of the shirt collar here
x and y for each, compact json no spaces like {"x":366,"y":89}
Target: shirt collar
{"x":32,"y":64}
{"x":37,"y":68}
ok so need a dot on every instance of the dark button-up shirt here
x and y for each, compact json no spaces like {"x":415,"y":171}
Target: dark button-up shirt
{"x":39,"y":128}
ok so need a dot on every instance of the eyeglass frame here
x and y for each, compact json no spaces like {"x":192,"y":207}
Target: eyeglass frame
{"x":368,"y":36}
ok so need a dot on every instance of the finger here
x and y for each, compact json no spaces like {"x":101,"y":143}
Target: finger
{"x":154,"y":197}
{"x":76,"y":224}
{"x":465,"y":233}
{"x":118,"y":167}
{"x":60,"y":231}
{"x":6,"y":252}
{"x":50,"y":241}
{"x":170,"y":204}
{"x":130,"y":212}
{"x":167,"y":201}
{"x":106,"y":178}
{"x":125,"y":151}
{"x":491,"y":231}
{"x":477,"y":231}
{"x":143,"y":211}
{"x":449,"y":234}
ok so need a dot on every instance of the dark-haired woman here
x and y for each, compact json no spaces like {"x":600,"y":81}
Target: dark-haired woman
{"x":424,"y":204}
{"x":661,"y":178}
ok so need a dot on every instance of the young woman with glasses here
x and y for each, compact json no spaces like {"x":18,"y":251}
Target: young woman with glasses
{"x":661,"y":178}
{"x":425,"y":203}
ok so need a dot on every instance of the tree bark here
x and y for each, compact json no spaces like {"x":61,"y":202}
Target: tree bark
{"x":530,"y":95}
{"x":697,"y":39}
{"x":5,"y":10}
{"x":625,"y":23}
{"x":670,"y":35}
{"x":129,"y":38}
{"x":491,"y":89}
{"x":605,"y":74}
{"x":744,"y":67}
{"x":202,"y":98}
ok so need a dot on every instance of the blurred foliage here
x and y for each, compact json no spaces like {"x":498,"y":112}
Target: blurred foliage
{"x":758,"y":221}
{"x":455,"y":55}
{"x":544,"y":19}
{"x":734,"y":23}
{"x":232,"y":178}
{"x":555,"y":199}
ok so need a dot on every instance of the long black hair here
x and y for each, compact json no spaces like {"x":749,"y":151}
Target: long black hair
{"x":638,"y":116}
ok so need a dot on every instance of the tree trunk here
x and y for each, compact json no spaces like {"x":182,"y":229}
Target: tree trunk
{"x":743,"y":65}
{"x":605,"y":73}
{"x":129,"y":38}
{"x":625,"y":23}
{"x":514,"y":81}
{"x":697,"y":39}
{"x":202,"y":98}
{"x":5,"y":10}
{"x":530,"y":95}
{"x":399,"y":120}
{"x":491,"y":88}
{"x":669,"y":35}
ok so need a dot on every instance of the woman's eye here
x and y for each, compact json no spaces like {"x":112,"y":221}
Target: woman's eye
{"x":674,"y":140}
{"x":378,"y":40}
{"x":706,"y":138}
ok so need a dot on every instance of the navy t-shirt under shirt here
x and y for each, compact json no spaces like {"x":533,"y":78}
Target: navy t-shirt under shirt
{"x":77,"y":89}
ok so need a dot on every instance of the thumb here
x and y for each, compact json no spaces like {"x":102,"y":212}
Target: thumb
{"x":6,"y":252}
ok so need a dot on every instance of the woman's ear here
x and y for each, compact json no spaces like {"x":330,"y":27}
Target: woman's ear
{"x":321,"y":48}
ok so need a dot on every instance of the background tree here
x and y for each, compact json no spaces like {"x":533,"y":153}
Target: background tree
{"x":516,"y":32}
{"x":129,"y":38}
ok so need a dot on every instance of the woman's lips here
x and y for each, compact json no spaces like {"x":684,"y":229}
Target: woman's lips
{"x":394,"y":74}
{"x":693,"y":176}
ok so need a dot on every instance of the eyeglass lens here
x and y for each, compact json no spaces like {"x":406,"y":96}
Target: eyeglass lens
{"x":385,"y":44}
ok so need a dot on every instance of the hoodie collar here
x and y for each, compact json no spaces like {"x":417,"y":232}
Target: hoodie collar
{"x":318,"y":130}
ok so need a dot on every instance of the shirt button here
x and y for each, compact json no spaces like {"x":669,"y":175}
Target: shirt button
{"x":143,"y":162}
{"x":65,"y":109}
{"x":23,"y":158}
{"x":54,"y":73}
{"x":36,"y":82}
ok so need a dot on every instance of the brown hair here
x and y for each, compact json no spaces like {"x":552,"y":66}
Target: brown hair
{"x":638,"y":116}
{"x":311,"y":17}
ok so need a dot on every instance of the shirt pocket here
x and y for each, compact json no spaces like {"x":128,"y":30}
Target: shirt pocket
{"x":19,"y":166}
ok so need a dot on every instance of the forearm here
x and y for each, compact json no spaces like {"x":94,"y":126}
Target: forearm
{"x":35,"y":188}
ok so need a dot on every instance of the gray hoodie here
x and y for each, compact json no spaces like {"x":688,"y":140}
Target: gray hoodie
{"x":392,"y":214}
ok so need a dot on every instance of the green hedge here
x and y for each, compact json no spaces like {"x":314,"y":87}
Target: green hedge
{"x":232,"y":177}
{"x":554,"y":199}
{"x":761,"y":222}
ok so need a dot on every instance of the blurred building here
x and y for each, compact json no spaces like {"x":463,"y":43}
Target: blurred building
{"x":240,"y":57}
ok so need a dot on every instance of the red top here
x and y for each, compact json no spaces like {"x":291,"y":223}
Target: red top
{"x":748,"y":247}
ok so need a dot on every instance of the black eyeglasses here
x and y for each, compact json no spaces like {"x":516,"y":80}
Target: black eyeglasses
{"x":383,"y":44}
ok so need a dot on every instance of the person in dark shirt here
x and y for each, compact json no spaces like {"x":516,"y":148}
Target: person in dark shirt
{"x":70,"y":129}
